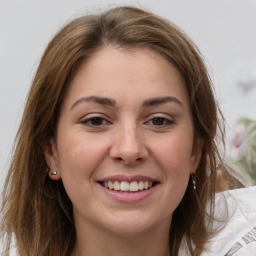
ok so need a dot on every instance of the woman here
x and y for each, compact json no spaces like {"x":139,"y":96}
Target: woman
{"x":117,"y":149}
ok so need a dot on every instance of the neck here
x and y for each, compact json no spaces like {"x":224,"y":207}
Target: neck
{"x":104,"y":243}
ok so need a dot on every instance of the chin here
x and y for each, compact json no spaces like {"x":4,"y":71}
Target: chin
{"x":132,"y":224}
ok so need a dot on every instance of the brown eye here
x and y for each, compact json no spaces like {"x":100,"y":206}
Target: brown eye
{"x":95,"y":121}
{"x":160,"y":121}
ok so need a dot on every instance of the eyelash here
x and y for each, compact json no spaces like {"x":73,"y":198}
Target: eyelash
{"x":89,"y":121}
{"x":164,"y":121}
{"x":99,"y":122}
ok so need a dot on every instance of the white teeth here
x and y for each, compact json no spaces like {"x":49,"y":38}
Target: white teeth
{"x":141,"y":185}
{"x":110,"y":185}
{"x":116,"y":185}
{"x":126,"y":186}
{"x":134,"y":186}
{"x":146,"y":184}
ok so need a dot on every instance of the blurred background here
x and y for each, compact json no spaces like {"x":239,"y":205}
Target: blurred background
{"x":224,"y":31}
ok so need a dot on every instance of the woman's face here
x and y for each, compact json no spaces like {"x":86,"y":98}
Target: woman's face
{"x":124,"y":144}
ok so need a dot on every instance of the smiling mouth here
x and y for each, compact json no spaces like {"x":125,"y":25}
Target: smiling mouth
{"x":124,"y":186}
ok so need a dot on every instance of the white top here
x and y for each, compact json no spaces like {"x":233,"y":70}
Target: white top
{"x":237,"y":236}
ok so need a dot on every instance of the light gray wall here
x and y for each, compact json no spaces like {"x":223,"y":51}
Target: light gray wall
{"x":224,"y":30}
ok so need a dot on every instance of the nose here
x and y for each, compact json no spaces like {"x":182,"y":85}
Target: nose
{"x":128,"y":145}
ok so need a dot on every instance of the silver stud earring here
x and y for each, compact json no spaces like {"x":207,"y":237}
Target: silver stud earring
{"x":53,"y":173}
{"x":193,"y":181}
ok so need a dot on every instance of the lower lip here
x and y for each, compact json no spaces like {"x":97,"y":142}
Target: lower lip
{"x":129,"y":197}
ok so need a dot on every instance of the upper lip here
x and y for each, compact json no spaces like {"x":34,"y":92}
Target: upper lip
{"x":128,"y":178}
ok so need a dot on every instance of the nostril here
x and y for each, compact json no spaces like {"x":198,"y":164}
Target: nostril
{"x":119,"y":159}
{"x":133,"y":161}
{"x":128,"y":161}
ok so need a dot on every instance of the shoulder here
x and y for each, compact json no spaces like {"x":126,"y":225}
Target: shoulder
{"x":246,"y":246}
{"x":234,"y":223}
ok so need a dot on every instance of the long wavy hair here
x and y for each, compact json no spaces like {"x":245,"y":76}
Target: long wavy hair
{"x":37,"y":212}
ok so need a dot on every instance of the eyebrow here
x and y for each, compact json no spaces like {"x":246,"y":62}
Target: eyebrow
{"x":96,"y":99}
{"x":112,"y":103}
{"x":160,"y":100}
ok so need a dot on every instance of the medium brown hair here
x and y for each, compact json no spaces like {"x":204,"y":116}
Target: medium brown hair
{"x":37,"y":210}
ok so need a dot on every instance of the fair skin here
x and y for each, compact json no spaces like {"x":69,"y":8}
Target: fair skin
{"x":125,"y":119}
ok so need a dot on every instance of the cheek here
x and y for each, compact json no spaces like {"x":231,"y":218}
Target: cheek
{"x":175,"y":153}
{"x":79,"y":159}
{"x":79,"y":156}
{"x":175,"y":166}
{"x":175,"y":160}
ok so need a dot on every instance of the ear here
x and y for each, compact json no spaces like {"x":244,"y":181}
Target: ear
{"x":196,"y":154}
{"x":52,"y":160}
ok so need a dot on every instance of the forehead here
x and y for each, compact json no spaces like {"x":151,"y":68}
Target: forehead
{"x":113,"y":69}
{"x":129,"y":61}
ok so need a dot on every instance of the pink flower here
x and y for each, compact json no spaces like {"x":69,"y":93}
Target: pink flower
{"x":238,"y":142}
